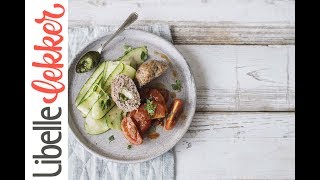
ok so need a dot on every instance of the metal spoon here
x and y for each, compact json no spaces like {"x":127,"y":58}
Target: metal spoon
{"x":92,"y":58}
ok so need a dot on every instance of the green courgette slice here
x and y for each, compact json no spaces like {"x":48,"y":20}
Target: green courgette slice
{"x":89,"y":83}
{"x":114,"y":117}
{"x":101,"y":107}
{"x":115,"y":72}
{"x":86,"y":105}
{"x":135,"y":57}
{"x":95,"y":126}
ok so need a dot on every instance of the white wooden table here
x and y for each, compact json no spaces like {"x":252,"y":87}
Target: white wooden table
{"x":242,"y":53}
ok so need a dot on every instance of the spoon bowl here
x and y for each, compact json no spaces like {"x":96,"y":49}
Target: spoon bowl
{"x":92,"y":58}
{"x":88,"y":61}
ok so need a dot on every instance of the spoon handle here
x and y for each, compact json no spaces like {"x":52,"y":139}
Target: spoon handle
{"x":133,"y":17}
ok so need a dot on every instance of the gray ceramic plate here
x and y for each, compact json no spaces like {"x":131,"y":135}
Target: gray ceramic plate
{"x":117,"y":150}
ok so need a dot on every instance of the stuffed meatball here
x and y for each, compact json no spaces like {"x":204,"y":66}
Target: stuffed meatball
{"x":124,"y":93}
{"x":149,"y":70}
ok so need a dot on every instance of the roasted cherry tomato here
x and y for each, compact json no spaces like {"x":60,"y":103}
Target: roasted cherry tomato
{"x":175,"y":111}
{"x":142,"y":118}
{"x":160,"y":111}
{"x":144,"y":94}
{"x":165,"y":94}
{"x":155,"y":95}
{"x":147,"y":93}
{"x":130,"y":131}
{"x":130,"y":114}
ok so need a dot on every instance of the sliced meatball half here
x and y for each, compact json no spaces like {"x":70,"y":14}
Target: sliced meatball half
{"x":124,"y":93}
{"x":149,"y":70}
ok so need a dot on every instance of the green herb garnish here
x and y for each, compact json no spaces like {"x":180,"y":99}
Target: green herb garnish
{"x":143,"y":56}
{"x":150,"y":107}
{"x":129,"y":146}
{"x":123,"y":97}
{"x":105,"y":104}
{"x":177,"y":86}
{"x":102,"y":104}
{"x":111,"y":138}
{"x":108,"y":103}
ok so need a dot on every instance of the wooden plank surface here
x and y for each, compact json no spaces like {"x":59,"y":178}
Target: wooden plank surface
{"x":242,"y":78}
{"x":114,"y":11}
{"x":228,"y":145}
{"x":223,"y":33}
{"x":229,"y":33}
{"x":230,"y":76}
{"x":260,"y":22}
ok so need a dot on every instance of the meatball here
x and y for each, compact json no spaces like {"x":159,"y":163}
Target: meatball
{"x":124,"y":93}
{"x":149,"y":70}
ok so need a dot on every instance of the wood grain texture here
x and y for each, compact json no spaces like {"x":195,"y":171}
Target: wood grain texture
{"x":115,"y":11}
{"x":222,"y":145}
{"x":233,"y":33}
{"x":216,"y":22}
{"x":242,"y":78}
{"x":223,"y":33}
